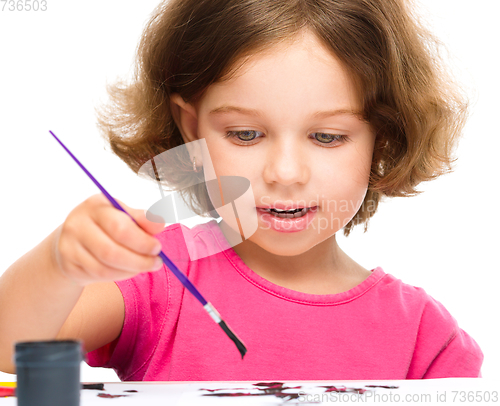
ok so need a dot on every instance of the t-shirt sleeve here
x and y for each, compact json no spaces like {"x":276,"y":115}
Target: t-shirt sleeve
{"x":461,"y":358}
{"x":442,"y":348}
{"x":148,"y":297}
{"x":145,"y":310}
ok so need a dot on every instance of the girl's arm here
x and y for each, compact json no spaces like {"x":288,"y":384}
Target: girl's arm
{"x":97,"y":317}
{"x":37,"y":302}
{"x":63,"y":288}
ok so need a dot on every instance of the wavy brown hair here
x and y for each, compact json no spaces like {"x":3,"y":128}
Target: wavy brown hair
{"x":412,"y":103}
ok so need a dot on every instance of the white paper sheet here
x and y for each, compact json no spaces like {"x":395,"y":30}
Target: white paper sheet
{"x":464,"y":391}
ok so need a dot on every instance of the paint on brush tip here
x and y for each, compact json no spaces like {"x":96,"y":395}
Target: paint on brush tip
{"x":241,"y":347}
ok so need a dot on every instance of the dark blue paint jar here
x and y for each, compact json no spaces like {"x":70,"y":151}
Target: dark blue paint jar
{"x":48,"y":372}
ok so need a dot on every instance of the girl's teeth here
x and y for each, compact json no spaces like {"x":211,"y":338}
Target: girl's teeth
{"x":285,"y":214}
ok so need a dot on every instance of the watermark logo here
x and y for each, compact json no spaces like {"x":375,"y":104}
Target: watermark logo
{"x":231,"y":196}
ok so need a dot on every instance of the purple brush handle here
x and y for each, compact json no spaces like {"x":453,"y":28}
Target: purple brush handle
{"x":176,"y":271}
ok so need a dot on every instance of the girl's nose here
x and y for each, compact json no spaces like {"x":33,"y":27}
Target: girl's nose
{"x":287,"y":163}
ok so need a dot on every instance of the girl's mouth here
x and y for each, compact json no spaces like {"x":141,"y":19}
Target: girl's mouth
{"x":287,"y":221}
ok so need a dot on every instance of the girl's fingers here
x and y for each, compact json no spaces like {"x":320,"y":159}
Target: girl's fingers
{"x":122,"y":229}
{"x":87,"y":269}
{"x":113,"y":255}
{"x":97,"y":242}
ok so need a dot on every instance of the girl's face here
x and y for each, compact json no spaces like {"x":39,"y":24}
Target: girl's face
{"x":288,"y":122}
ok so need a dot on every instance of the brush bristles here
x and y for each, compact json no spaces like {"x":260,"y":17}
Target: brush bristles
{"x":241,"y":347}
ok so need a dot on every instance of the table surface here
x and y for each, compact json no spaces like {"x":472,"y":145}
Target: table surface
{"x":430,"y":391}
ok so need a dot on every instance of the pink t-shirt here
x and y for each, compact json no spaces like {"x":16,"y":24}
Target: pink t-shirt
{"x":380,"y":329}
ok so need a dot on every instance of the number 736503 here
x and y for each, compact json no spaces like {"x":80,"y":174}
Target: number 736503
{"x":24,"y":5}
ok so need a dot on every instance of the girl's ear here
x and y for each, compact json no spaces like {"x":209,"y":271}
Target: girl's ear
{"x":185,"y":117}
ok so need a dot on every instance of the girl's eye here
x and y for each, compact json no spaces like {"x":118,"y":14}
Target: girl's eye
{"x":324,"y":138}
{"x":243,"y":135}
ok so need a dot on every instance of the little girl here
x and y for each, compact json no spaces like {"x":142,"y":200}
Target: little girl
{"x":326,"y":107}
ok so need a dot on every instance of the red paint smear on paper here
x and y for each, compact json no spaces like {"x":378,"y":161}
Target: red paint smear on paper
{"x":107,"y":395}
{"x":217,"y":390}
{"x":7,"y":392}
{"x":343,"y":389}
{"x":282,"y":395}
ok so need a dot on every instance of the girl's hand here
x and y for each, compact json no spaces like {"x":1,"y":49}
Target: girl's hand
{"x":98,"y":243}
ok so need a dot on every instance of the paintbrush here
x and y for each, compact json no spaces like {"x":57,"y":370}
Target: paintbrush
{"x":176,"y":271}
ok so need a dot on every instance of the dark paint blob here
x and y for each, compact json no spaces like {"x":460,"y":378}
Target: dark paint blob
{"x":131,"y":390}
{"x":382,"y":386}
{"x":269,"y":384}
{"x":274,"y":386}
{"x":96,"y":386}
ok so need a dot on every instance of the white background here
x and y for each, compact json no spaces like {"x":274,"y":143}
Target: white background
{"x":54,"y":68}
